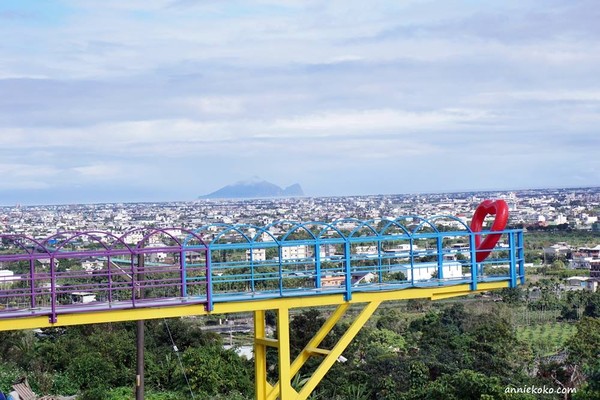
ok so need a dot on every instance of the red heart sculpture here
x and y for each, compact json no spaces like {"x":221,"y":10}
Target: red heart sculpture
{"x":499,"y":208}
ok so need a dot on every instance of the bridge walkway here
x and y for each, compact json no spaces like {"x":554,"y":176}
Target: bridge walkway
{"x":97,"y":277}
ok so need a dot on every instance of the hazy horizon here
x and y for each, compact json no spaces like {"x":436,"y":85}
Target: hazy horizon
{"x":508,"y":190}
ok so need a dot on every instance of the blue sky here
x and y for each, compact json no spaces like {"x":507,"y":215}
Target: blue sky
{"x":171,"y":99}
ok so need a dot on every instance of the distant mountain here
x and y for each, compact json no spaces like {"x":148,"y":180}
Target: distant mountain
{"x":253,"y":189}
{"x":293,"y":190}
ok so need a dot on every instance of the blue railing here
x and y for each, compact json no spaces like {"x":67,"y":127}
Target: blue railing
{"x":95,"y":271}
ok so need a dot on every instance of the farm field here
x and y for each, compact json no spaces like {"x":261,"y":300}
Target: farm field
{"x":546,"y":339}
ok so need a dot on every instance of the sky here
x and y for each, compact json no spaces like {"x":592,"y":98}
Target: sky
{"x":164,"y":100}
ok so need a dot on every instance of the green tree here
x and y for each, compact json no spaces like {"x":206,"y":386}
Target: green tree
{"x":592,"y":306}
{"x":212,"y":371}
{"x":572,"y":304}
{"x":494,"y":346}
{"x":463,"y":385}
{"x":584,"y":346}
{"x":418,"y":305}
{"x":9,"y":373}
{"x":591,"y":390}
{"x":512,"y":295}
{"x":303,"y":327}
{"x":392,"y":320}
{"x":443,"y":346}
{"x":557,"y":265}
{"x":92,"y":371}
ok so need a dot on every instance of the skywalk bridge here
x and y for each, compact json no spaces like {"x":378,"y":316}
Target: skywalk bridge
{"x":94,"y":277}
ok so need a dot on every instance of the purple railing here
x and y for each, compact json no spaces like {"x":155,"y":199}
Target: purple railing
{"x":60,"y":275}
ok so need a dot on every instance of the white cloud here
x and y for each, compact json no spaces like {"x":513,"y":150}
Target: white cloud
{"x":548,"y":95}
{"x":27,"y":176}
{"x":218,"y":105}
{"x":100,"y":171}
{"x":153,"y":88}
{"x":174,"y":137}
{"x":370,"y":121}
{"x":22,"y":170}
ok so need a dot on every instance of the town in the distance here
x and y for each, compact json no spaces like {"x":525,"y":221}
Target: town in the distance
{"x":540,"y":334}
{"x":564,"y":209}
{"x":576,"y":208}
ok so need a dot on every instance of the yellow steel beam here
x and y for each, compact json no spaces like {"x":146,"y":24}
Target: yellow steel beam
{"x":329,"y":324}
{"x":441,"y":296}
{"x":286,"y":391}
{"x":357,"y":297}
{"x":283,"y":389}
{"x":313,"y":343}
{"x":98,"y":317}
{"x":316,"y":350}
{"x":260,"y":357}
{"x":337,"y":350}
{"x":267,"y":341}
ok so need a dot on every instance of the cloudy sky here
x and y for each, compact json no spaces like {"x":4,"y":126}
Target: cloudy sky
{"x":152,"y":100}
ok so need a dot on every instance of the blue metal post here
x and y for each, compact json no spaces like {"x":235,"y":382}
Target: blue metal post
{"x":280,"y":252}
{"x":473,"y":262}
{"x":32,"y":281}
{"x":251,"y":268}
{"x":133,"y":274}
{"x":317,"y":265}
{"x":379,"y":267}
{"x":513,"y":263}
{"x":440,"y":257}
{"x":347,"y":271}
{"x":521,"y":245}
{"x":412,"y":262}
{"x":110,"y":279}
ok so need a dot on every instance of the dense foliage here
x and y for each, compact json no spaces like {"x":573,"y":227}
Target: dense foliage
{"x":472,"y":348}
{"x":98,"y":362}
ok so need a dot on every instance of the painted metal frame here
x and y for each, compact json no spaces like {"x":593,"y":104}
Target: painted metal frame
{"x":225,"y":263}
{"x":223,"y":268}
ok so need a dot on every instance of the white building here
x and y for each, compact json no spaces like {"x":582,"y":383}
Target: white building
{"x":365,"y":249}
{"x":429,"y":270}
{"x":133,"y":238}
{"x":294,"y":252}
{"x":327,"y":250}
{"x":265,"y":237}
{"x":7,"y":277}
{"x":561,"y":219}
{"x":579,"y":281}
{"x":83,"y":297}
{"x":92,"y":265}
{"x":257,"y":255}
{"x":159,"y":256}
{"x":557,"y":250}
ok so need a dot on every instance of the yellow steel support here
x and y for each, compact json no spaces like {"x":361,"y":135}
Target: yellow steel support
{"x":337,"y":350}
{"x":286,"y":391}
{"x":315,"y":350}
{"x":267,"y":342}
{"x":260,"y":356}
{"x":98,"y":317}
{"x":283,"y":390}
{"x":313,"y":343}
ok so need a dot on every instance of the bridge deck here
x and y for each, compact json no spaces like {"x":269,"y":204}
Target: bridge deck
{"x":85,"y":277}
